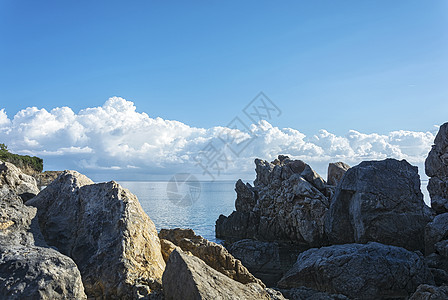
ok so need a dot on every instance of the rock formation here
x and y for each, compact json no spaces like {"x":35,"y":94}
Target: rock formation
{"x":29,"y":269}
{"x":288,"y":202}
{"x":436,"y":167}
{"x":359,"y":271}
{"x":379,"y":201}
{"x":266,"y":260}
{"x":106,"y":232}
{"x":188,"y":277}
{"x":303,"y":293}
{"x":214,"y":255}
{"x":429,"y":292}
{"x":45,"y":178}
{"x":335,"y":172}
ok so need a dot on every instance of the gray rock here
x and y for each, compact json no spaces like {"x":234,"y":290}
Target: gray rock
{"x":429,"y":292}
{"x":106,"y":232}
{"x":268,"y":261}
{"x":188,"y":277}
{"x":436,"y":231}
{"x":214,"y":255}
{"x":436,"y":167}
{"x":379,"y":201}
{"x":29,"y":269}
{"x":46,"y":178}
{"x":14,"y":180}
{"x":359,"y":271}
{"x":303,"y":293}
{"x":288,"y":202}
{"x":335,"y":172}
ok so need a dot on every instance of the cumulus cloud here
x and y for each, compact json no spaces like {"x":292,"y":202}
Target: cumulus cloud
{"x":115,"y":137}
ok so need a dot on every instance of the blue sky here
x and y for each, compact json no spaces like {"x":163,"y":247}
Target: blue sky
{"x":372,"y":66}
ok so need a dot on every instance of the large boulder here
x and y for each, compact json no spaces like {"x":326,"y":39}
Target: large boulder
{"x":336,"y":171}
{"x":379,"y":201}
{"x":436,"y":167}
{"x":29,"y":269}
{"x":214,"y":255}
{"x":359,"y":271}
{"x":14,"y":180}
{"x":303,"y":293}
{"x":188,"y":277}
{"x":106,"y":232}
{"x":268,"y":261}
{"x":430,"y":292}
{"x":435,"y":232}
{"x":287,"y":202}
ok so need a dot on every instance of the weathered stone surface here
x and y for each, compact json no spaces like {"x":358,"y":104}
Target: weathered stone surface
{"x":29,"y":269}
{"x":106,"y":232}
{"x":167,"y":247}
{"x":268,"y":261}
{"x":429,"y":292}
{"x":47,"y":177}
{"x":436,"y":231}
{"x":436,"y":167}
{"x":379,"y":201}
{"x":359,"y":271}
{"x":303,"y":293}
{"x":214,"y":255}
{"x":336,"y":171}
{"x":30,"y":272}
{"x":288,"y":202}
{"x":188,"y":277}
{"x":14,"y":180}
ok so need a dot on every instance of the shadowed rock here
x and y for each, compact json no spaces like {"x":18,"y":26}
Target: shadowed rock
{"x":188,"y":277}
{"x":335,"y":172}
{"x":379,"y":201}
{"x":436,"y":167}
{"x":106,"y":232}
{"x":429,"y":292}
{"x":29,"y":269}
{"x":214,"y":255}
{"x":359,"y":271}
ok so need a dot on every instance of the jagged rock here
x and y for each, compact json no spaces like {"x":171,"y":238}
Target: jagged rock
{"x":188,"y":277}
{"x":47,"y":177}
{"x":13,"y":179}
{"x":379,"y":201}
{"x":359,"y":271}
{"x":288,"y":202}
{"x":303,"y":293}
{"x":335,"y":172}
{"x":436,"y":167}
{"x":29,"y":269}
{"x":436,"y":231}
{"x":275,"y":295}
{"x":106,"y":232}
{"x":429,"y":292}
{"x":214,"y":255}
{"x":266,"y":260}
{"x":167,"y":247}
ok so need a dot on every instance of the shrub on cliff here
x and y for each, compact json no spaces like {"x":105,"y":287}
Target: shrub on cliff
{"x":22,"y":161}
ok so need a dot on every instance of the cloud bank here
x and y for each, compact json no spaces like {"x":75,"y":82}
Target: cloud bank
{"x":117,"y":138}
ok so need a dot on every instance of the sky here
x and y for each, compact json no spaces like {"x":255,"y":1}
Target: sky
{"x":352,"y":80}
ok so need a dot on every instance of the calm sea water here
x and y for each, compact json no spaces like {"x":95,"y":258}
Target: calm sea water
{"x":200,"y":214}
{"x":167,"y":211}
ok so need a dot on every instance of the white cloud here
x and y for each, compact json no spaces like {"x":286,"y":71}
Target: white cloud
{"x":116,"y":137}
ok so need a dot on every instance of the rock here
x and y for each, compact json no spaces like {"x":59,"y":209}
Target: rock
{"x":12,"y":178}
{"x":288,"y":202}
{"x":275,"y":295}
{"x":106,"y":232}
{"x":166,"y":247}
{"x":379,"y":201}
{"x":30,"y":272}
{"x":436,"y":231}
{"x":214,"y":255}
{"x":47,"y":177}
{"x":303,"y":293}
{"x":436,"y":167}
{"x":429,"y":292}
{"x":266,"y":260}
{"x":335,"y":172}
{"x":359,"y":271}
{"x":29,"y":269}
{"x":188,"y":277}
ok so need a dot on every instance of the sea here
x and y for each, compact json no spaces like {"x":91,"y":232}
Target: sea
{"x":191,"y":204}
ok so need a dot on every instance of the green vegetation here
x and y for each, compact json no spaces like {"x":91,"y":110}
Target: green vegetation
{"x":21,"y":161}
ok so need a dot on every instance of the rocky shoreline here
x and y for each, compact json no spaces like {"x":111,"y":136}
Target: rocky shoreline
{"x":364,"y":233}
